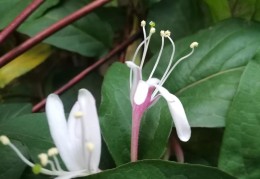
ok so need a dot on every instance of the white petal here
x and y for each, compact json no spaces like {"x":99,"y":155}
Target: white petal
{"x":178,"y":114}
{"x":137,"y":76}
{"x":153,"y":81}
{"x":58,"y":126}
{"x":141,"y":92}
{"x":74,"y":174}
{"x":91,"y":128}
{"x":165,"y":93}
{"x":76,"y":138}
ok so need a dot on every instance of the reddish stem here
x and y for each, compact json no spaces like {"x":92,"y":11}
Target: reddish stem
{"x":176,"y":147}
{"x":19,"y":19}
{"x":82,"y":74}
{"x":50,"y":30}
{"x":136,"y":121}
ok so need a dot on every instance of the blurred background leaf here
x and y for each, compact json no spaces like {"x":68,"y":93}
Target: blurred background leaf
{"x":240,"y":152}
{"x":24,"y":63}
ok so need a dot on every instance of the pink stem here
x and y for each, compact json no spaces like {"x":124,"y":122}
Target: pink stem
{"x":136,"y":121}
{"x":177,"y":149}
{"x":19,"y":19}
{"x":82,"y":74}
{"x":50,"y":30}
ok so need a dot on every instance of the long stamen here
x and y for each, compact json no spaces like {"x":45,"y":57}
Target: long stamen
{"x":143,"y":23}
{"x":159,"y":55}
{"x":52,"y":152}
{"x":192,"y":46}
{"x":171,"y":58}
{"x":152,"y":31}
{"x":90,"y":147}
{"x":5,"y":141}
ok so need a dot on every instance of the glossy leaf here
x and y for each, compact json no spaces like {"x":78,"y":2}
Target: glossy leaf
{"x":181,"y":17}
{"x":10,"y":165}
{"x":89,"y":36}
{"x":12,"y":8}
{"x":240,"y":152}
{"x":31,"y":130}
{"x":219,"y":9}
{"x":155,"y":169}
{"x":12,"y":110}
{"x":24,"y":63}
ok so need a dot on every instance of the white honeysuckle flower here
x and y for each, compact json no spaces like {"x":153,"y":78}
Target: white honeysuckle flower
{"x":78,"y":140}
{"x":144,"y":93}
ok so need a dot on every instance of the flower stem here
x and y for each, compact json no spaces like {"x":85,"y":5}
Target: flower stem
{"x":50,"y":30}
{"x":82,"y":74}
{"x":20,"y":19}
{"x":136,"y":120}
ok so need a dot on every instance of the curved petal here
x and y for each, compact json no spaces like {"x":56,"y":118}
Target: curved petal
{"x":75,"y":136}
{"x":141,"y":92}
{"x":58,"y":127}
{"x":91,"y":129}
{"x":74,"y":174}
{"x":137,"y":76}
{"x":178,"y":114}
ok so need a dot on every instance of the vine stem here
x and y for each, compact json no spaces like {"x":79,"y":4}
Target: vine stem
{"x":82,"y":74}
{"x":20,"y":19}
{"x":50,"y":30}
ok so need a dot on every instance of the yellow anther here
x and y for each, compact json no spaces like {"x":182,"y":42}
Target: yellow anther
{"x":53,"y":151}
{"x":78,"y":114}
{"x":4,"y":139}
{"x":152,"y":24}
{"x":90,"y":146}
{"x":152,"y":30}
{"x":167,"y":33}
{"x":43,"y":159}
{"x":162,"y":33}
{"x":143,"y":23}
{"x":194,"y":44}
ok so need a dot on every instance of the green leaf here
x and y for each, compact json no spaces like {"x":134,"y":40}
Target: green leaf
{"x":12,"y":110}
{"x":181,"y":17}
{"x":210,"y":139}
{"x":219,"y":9}
{"x":10,"y":165}
{"x":240,"y":152}
{"x":12,"y":8}
{"x":154,"y":169}
{"x":115,"y":119}
{"x":89,"y":36}
{"x":31,"y":130}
